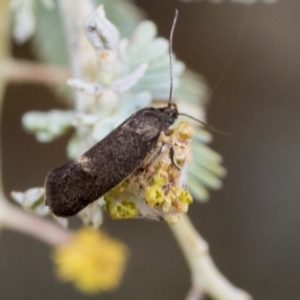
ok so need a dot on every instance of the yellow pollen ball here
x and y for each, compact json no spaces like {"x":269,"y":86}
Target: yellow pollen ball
{"x":93,"y":261}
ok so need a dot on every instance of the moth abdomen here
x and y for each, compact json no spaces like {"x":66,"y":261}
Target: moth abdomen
{"x":68,"y":189}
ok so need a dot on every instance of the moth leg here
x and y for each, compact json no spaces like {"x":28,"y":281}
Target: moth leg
{"x":157,"y":151}
{"x":169,"y":132}
{"x":153,"y":155}
{"x":171,"y":154}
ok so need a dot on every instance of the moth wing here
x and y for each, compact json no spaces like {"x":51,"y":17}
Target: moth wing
{"x":73,"y":186}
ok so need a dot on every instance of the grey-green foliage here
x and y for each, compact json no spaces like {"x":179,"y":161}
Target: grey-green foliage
{"x":49,"y":41}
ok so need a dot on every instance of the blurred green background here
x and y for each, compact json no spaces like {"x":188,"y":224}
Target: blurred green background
{"x":252,"y":224}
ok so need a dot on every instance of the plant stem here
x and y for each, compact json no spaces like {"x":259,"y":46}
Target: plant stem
{"x":14,"y":218}
{"x":82,"y":56}
{"x":205,"y":275}
{"x":25,"y":71}
{"x":4,"y":54}
{"x":81,"y":53}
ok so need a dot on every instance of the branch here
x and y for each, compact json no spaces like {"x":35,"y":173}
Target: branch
{"x":23,"y":71}
{"x":19,"y":220}
{"x":205,"y":275}
{"x":4,"y":53}
{"x":82,"y":56}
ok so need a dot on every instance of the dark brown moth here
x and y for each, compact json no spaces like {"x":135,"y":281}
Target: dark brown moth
{"x":73,"y":186}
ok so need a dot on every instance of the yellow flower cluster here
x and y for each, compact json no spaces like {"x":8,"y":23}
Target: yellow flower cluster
{"x":167,"y":195}
{"x":159,"y":190}
{"x":120,"y":201}
{"x":122,"y":210}
{"x":93,"y":261}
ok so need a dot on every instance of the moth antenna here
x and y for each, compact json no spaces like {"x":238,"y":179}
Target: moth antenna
{"x":205,"y":125}
{"x":233,"y":53}
{"x":211,"y":128}
{"x":170,"y":55}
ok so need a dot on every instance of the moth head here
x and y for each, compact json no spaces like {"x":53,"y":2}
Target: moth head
{"x":171,"y":113}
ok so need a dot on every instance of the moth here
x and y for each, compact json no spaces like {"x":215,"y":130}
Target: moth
{"x":73,"y":186}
